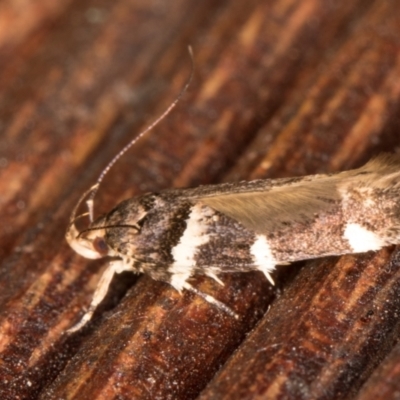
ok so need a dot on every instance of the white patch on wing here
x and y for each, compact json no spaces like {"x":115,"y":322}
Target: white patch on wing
{"x":184,"y":252}
{"x":263,"y":257}
{"x":362,"y":239}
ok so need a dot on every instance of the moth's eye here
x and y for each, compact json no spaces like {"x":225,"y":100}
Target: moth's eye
{"x":100,"y":245}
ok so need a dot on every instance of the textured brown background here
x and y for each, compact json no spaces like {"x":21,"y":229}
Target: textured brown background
{"x":281,"y":88}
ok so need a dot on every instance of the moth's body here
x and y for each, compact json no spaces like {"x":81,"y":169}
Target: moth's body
{"x":255,"y":225}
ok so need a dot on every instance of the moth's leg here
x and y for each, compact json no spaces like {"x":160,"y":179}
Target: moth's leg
{"x":267,"y":274}
{"x":179,"y":282}
{"x":115,"y":267}
{"x":212,"y":300}
{"x":215,"y":277}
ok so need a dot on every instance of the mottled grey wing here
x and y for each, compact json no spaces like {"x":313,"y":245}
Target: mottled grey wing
{"x":276,"y":208}
{"x":267,"y":205}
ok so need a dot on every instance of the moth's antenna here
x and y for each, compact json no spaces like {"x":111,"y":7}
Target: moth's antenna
{"x":95,"y":187}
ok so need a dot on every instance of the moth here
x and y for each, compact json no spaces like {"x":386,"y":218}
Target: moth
{"x":238,"y":227}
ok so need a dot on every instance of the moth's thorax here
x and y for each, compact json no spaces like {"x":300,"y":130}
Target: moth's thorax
{"x":143,"y":229}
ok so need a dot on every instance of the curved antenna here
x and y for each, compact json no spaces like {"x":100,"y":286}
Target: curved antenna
{"x":95,"y":187}
{"x":73,"y":216}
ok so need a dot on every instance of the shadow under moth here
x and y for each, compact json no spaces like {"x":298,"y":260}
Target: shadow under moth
{"x":239,"y":227}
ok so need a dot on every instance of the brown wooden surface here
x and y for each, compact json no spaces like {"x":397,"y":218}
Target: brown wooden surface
{"x":281,"y":88}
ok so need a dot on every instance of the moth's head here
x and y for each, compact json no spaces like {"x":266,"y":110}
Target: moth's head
{"x":98,"y":239}
{"x":89,"y":243}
